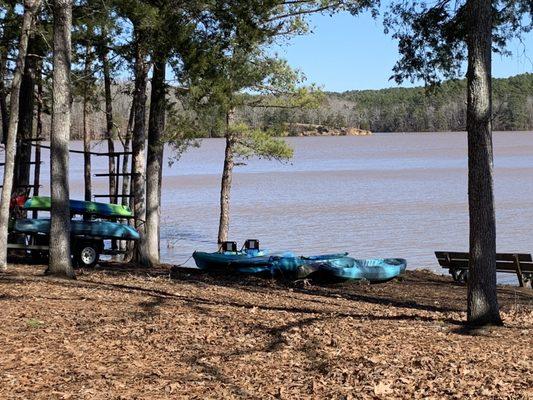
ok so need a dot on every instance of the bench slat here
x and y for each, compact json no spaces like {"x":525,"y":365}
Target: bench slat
{"x":511,"y":257}
{"x":500,"y":266}
{"x":451,"y":254}
{"x":522,"y":257}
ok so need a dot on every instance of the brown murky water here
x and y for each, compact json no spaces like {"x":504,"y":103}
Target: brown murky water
{"x":387,"y":195}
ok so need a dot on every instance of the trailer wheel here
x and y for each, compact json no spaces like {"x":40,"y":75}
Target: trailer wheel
{"x":87,"y":255}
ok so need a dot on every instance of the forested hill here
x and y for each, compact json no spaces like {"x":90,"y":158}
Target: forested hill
{"x":386,"y":110}
{"x":416,"y":110}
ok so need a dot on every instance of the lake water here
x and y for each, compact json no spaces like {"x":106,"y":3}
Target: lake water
{"x":387,"y":195}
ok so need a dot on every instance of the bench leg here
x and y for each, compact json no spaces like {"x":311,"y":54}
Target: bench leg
{"x":527,"y":281}
{"x":463,"y":276}
{"x":455,"y":273}
{"x":519,"y":273}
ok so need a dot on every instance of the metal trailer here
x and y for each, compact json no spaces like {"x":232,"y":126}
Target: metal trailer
{"x":85,"y":250}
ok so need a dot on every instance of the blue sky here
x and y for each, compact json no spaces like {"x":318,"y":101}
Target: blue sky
{"x":346,"y":52}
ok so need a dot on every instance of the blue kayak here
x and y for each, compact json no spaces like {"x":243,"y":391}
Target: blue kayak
{"x":373,"y":270}
{"x":258,"y":262}
{"x":96,"y":229}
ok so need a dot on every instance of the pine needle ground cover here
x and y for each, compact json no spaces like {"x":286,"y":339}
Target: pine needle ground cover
{"x":124,"y":334}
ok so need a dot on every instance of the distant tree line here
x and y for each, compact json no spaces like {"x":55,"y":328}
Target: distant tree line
{"x":418,"y":109}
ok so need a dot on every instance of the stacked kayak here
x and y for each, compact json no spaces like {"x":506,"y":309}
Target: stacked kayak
{"x":373,"y":270}
{"x":105,"y":210}
{"x":95,"y":229}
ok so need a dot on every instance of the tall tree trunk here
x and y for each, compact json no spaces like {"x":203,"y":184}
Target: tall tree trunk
{"x":3,"y":105}
{"x":3,"y":69}
{"x":112,"y":160}
{"x":482,"y":297}
{"x":86,"y":132}
{"x":156,"y":128}
{"x":125,"y":191}
{"x":125,"y":160}
{"x":30,"y":8}
{"x":25,"y":123}
{"x":39,"y":134}
{"x":60,"y":262}
{"x":225,"y":186}
{"x":3,"y":97}
{"x":138,"y":151}
{"x":104,"y":59}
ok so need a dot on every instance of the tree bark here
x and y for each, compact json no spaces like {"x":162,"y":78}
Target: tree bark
{"x":482,"y":296}
{"x":125,"y":160}
{"x":30,"y":8}
{"x":138,"y":151}
{"x":125,"y":191}
{"x":225,"y":186}
{"x":104,"y":59}
{"x":3,"y":105}
{"x":86,"y":132}
{"x":111,"y":161}
{"x":156,"y":128}
{"x":25,"y":123}
{"x":39,"y":134}
{"x":6,"y":41}
{"x":60,"y":261}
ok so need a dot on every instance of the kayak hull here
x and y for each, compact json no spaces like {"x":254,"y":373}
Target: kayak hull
{"x":228,"y":260}
{"x":373,"y":270}
{"x":284,"y":265}
{"x":43,"y":203}
{"x":93,"y":229}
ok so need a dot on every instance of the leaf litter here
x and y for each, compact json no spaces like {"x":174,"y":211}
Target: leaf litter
{"x":122,"y":333}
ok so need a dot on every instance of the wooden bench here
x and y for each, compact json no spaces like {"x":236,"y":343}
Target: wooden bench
{"x":457,"y":263}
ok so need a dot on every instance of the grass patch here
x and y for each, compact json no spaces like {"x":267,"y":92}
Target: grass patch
{"x":34,"y":323}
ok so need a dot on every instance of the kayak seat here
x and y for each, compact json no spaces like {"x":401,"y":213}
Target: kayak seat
{"x":226,"y":247}
{"x":251,"y":244}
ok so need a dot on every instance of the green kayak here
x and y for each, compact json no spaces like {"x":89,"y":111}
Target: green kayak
{"x":43,"y":203}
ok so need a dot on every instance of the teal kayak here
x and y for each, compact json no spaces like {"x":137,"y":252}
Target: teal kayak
{"x":259,"y":263}
{"x":373,"y":270}
{"x":96,"y":229}
{"x":223,"y":260}
{"x":43,"y":203}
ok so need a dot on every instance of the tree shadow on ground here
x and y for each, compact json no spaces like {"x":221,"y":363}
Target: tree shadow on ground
{"x":477,"y":331}
{"x":161,"y":296}
{"x":417,"y":291}
{"x":430,"y":285}
{"x":313,"y":351}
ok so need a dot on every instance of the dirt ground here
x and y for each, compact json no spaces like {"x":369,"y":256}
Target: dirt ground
{"x":118,"y":333}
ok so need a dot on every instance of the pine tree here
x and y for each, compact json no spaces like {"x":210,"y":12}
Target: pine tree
{"x":30,"y":9}
{"x":434,"y":41}
{"x":60,"y":256}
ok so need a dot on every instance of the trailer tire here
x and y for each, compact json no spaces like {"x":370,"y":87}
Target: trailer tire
{"x":87,"y":254}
